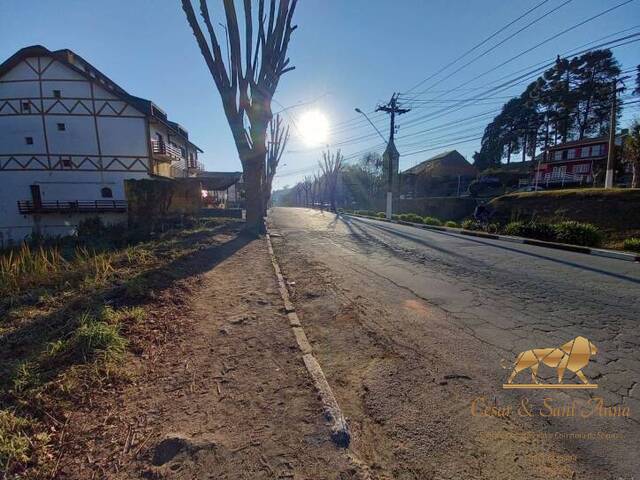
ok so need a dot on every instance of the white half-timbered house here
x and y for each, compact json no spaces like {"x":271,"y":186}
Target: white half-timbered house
{"x":69,"y":137}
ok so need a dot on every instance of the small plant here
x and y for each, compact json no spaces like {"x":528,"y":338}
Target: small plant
{"x":381,"y":215}
{"x":410,"y":217}
{"x":577,"y":233}
{"x":451,"y":224}
{"x":469,"y":224}
{"x":632,"y":244}
{"x":94,"y":336}
{"x":26,"y":377}
{"x":21,"y":444}
{"x":431,"y":221}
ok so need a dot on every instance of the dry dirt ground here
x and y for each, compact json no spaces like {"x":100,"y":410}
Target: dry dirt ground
{"x":227,"y":394}
{"x":405,"y":375}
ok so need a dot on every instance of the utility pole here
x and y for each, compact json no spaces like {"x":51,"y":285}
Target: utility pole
{"x":611,"y":154}
{"x":391,"y":155}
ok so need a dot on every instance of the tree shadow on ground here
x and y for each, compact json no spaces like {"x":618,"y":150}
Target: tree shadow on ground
{"x":29,"y":341}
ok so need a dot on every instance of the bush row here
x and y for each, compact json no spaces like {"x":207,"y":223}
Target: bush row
{"x":576,"y":233}
{"x":572,"y":232}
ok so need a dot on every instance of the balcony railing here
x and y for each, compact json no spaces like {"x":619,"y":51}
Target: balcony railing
{"x":74,"y":206}
{"x":562,"y":178}
{"x":166,"y":150}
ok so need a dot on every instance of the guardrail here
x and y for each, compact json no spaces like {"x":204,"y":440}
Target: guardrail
{"x":74,"y":206}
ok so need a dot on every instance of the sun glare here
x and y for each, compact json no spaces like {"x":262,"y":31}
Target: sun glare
{"x":314,"y":127}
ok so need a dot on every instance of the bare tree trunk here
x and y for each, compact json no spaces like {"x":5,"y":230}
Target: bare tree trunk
{"x":635,"y":180}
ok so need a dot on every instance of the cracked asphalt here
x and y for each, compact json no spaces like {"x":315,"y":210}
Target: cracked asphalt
{"x":505,"y":298}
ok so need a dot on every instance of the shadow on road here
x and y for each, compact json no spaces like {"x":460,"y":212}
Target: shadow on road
{"x":497,"y":246}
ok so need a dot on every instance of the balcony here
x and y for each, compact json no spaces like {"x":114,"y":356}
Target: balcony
{"x":165,"y":151}
{"x":26,"y":207}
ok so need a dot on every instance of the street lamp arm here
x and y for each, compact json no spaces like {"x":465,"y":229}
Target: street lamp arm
{"x":372,"y":124}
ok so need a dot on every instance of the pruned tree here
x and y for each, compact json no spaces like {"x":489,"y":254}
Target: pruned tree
{"x":631,"y":153}
{"x":278,"y":138}
{"x":307,"y":185}
{"x":247,"y":81}
{"x":331,"y":165}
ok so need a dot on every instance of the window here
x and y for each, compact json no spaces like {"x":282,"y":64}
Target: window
{"x":106,"y":192}
{"x":57,"y":94}
{"x":571,"y":154}
{"x":28,"y":140}
{"x":66,"y":163}
{"x":581,"y":168}
{"x":26,"y":107}
{"x":557,"y":155}
{"x":61,"y":127}
{"x":596,"y":150}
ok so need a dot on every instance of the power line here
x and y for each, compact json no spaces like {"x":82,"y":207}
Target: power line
{"x":478,"y":45}
{"x":502,"y":42}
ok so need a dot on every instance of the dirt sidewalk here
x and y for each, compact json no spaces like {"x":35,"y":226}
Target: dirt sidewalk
{"x":227,"y":397}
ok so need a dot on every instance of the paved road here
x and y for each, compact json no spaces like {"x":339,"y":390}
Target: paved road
{"x":509,"y":297}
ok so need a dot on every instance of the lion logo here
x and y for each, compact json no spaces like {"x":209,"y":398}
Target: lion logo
{"x":573,"y":355}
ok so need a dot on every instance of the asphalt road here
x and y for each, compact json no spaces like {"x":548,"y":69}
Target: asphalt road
{"x":508,"y":297}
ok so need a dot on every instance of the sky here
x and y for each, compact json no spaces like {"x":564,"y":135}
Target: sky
{"x":348,"y":54}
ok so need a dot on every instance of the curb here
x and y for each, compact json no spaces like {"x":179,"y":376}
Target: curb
{"x":340,"y":433}
{"x":598,"y":252}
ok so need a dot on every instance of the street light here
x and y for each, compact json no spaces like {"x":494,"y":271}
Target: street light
{"x":388,"y":157}
{"x":374,"y":127}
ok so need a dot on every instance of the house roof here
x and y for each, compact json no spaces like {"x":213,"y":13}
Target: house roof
{"x":218,"y":180}
{"x":579,"y":143}
{"x":444,"y":164}
{"x":72,"y":60}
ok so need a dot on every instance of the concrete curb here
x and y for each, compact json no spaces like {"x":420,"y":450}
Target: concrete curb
{"x":599,"y":252}
{"x":340,"y":433}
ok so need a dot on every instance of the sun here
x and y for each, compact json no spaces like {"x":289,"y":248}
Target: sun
{"x":314,"y":127}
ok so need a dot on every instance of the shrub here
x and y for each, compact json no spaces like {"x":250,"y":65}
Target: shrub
{"x":470,"y":224}
{"x":539,"y":231}
{"x":367,"y":213}
{"x":381,"y":215}
{"x":632,"y":244}
{"x":410,"y":217}
{"x":577,"y":233}
{"x":451,"y":224}
{"x":431,"y":221}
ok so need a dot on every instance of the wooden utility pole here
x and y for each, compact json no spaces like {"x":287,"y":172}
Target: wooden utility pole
{"x":391,"y":155}
{"x":611,"y":154}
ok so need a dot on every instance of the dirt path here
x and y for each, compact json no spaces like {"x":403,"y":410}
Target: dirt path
{"x":228,"y":397}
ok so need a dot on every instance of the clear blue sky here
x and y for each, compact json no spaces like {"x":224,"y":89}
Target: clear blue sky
{"x":347,"y":53}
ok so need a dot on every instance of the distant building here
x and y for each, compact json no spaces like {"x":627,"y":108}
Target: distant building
{"x":222,"y":189}
{"x":571,"y":163}
{"x":69,"y":137}
{"x":446,"y":174}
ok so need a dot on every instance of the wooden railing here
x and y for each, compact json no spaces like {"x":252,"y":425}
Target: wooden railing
{"x":163,"y":149}
{"x":73,"y":206}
